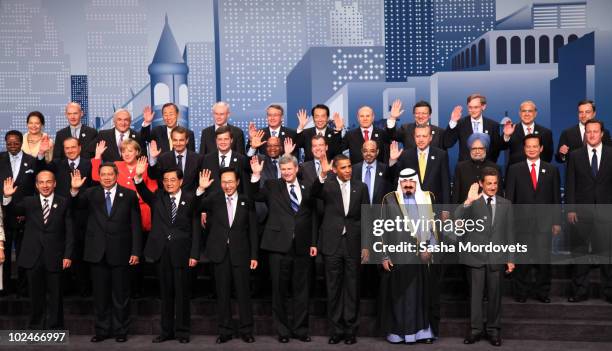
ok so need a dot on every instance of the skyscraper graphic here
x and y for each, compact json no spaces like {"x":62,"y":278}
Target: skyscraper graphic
{"x":347,"y":26}
{"x":34,"y":70}
{"x":79,"y":93}
{"x":117,"y":52}
{"x":200,"y":57}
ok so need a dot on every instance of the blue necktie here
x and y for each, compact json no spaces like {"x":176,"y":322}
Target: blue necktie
{"x":594,"y":163}
{"x":475,"y":127}
{"x":173,"y":208}
{"x":367,"y":180}
{"x":295,"y":204}
{"x":109,"y":204}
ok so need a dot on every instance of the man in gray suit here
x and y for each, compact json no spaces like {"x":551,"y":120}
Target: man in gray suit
{"x":493,"y":217}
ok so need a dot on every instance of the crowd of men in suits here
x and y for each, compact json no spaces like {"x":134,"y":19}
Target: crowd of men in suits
{"x":235,"y":204}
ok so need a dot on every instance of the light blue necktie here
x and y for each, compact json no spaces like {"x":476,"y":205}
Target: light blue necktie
{"x":367,"y":180}
{"x":295,"y":203}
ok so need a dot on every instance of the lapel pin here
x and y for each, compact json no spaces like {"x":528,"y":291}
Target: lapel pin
{"x":535,"y":132}
{"x":54,"y":205}
{"x":380,"y":174}
{"x":83,"y":135}
{"x":25,"y":164}
{"x":242,"y":204}
{"x":486,"y":132}
{"x":235,"y":160}
{"x":183,"y":203}
{"x":133,"y":136}
{"x":543,"y":170}
{"x":282,"y":133}
{"x":433,"y":157}
{"x":302,"y":186}
{"x":376,"y":135}
{"x":433,"y":132}
{"x":329,"y":135}
{"x":120,"y":194}
{"x":485,"y":217}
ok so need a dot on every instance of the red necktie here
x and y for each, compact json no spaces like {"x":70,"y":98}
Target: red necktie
{"x":534,"y":178}
{"x":366,"y":137}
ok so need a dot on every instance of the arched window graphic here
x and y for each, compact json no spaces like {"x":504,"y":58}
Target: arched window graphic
{"x":544,"y":49}
{"x":482,"y":55}
{"x":501,"y":51}
{"x":558,"y":42}
{"x":530,"y":49}
{"x":462,"y":60}
{"x":515,"y":50}
{"x":467,"y":57}
{"x":473,"y":56}
{"x":161,"y":93}
{"x":183,"y":95}
{"x":571,"y":38}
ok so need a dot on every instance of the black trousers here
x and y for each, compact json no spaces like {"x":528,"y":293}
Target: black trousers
{"x":342,"y":280}
{"x":290,"y":273}
{"x":175,"y":289}
{"x":481,"y":278}
{"x":13,"y":235}
{"x":225,"y":273}
{"x":594,"y":235}
{"x":524,"y":285}
{"x":111,"y":297}
{"x":46,"y":297}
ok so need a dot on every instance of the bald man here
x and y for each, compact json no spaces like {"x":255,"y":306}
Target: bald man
{"x":86,"y":135}
{"x":353,"y":140}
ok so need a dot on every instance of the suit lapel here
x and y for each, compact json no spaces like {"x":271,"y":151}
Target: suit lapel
{"x":285,"y":194}
{"x":378,"y":178}
{"x":602,"y":162}
{"x":119,"y":195}
{"x":577,"y":135}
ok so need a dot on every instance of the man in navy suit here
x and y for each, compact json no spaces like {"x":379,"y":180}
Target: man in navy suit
{"x":163,"y":134}
{"x":221,"y":113}
{"x":422,"y":117}
{"x":353,"y":140}
{"x":320,"y":118}
{"x":122,"y":119}
{"x":275,"y":128}
{"x":75,"y":129}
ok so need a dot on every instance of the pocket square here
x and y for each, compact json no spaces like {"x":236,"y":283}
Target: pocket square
{"x":29,"y":171}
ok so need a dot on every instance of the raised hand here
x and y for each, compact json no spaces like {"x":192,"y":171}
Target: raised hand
{"x":252,"y":130}
{"x":563,"y":149}
{"x":192,"y":262}
{"x":288,"y":146}
{"x":253,"y":264}
{"x":154,"y":151}
{"x":338,"y":121}
{"x":302,"y":118}
{"x":456,"y":114}
{"x":394,"y":151}
{"x":396,"y":109}
{"x":100,"y":148}
{"x":387,"y":264}
{"x":326,"y":166}
{"x":45,"y":144}
{"x":141,"y":166}
{"x":9,"y":189}
{"x":134,"y":260}
{"x":473,"y":194}
{"x":147,"y":115}
{"x":509,"y":128}
{"x":76,"y":181}
{"x":256,"y":165}
{"x":256,"y":139}
{"x":205,"y":180}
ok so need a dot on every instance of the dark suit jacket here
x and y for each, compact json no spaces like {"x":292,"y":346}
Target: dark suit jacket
{"x":182,"y":238}
{"x":284,"y":133}
{"x":286,"y":226}
{"x":50,"y":242}
{"x":116,"y":237}
{"x":501,"y":232}
{"x":160,"y":135}
{"x":580,"y":185}
{"x":237,"y":161}
{"x":381,"y":182}
{"x":112,"y":152}
{"x":192,"y":166}
{"x":467,"y":173}
{"x":571,"y":138}
{"x":334,"y":219}
{"x":304,"y":140}
{"x":61,"y":169}
{"x":242,"y":234}
{"x":405,"y":135}
{"x":546,"y":197}
{"x":208,"y":140}
{"x":24,"y":182}
{"x":437,"y":176}
{"x":86,"y":136}
{"x":515,"y":144}
{"x":269,"y":172}
{"x":462,"y":132}
{"x":353,"y":141}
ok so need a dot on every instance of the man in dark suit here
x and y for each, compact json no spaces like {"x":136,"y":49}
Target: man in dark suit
{"x":232,"y":247}
{"x":115,"y":136}
{"x":353,"y":140}
{"x":46,"y":249}
{"x":22,"y":168}
{"x":188,"y":161}
{"x":162,"y":134}
{"x":290,"y":236}
{"x":485,"y":268}
{"x":573,"y":138}
{"x":174,"y":244}
{"x":85,"y":134}
{"x":309,"y":170}
{"x":320,"y":117}
{"x":63,"y":168}
{"x":528,"y":113}
{"x":533,"y":185}
{"x":422,"y":117}
{"x":221,"y":113}
{"x":275,"y":128}
{"x":223,"y":157}
{"x":460,"y":129}
{"x":340,"y":244}
{"x":588,"y":195}
{"x":112,"y":243}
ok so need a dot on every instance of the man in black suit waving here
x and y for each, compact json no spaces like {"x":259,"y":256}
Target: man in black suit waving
{"x":320,"y":117}
{"x":221,"y":113}
{"x":353,"y":139}
{"x":112,"y":243}
{"x":422,"y":117}
{"x":162,"y":134}
{"x":46,"y":249}
{"x":75,"y":129}
{"x":290,"y":235}
{"x":232,"y":247}
{"x":223,"y":157}
{"x":340,"y":244}
{"x":115,"y":136}
{"x":275,"y":128}
{"x":588,"y":195}
{"x":174,"y":243}
{"x":534,"y":186}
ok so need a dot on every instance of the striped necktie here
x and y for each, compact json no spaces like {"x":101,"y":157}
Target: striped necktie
{"x":173,"y":208}
{"x":46,"y":210}
{"x":295,"y":203}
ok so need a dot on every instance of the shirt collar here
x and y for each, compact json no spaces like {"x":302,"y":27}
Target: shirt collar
{"x":76,"y":160}
{"x":19,"y":154}
{"x":233,"y":197}
{"x":78,"y":126}
{"x":113,"y":190}
{"x":426,"y":151}
{"x":177,"y":195}
{"x":598,"y":148}
{"x":537,"y":163}
{"x":42,"y":198}
{"x":341,"y":182}
{"x":228,"y":154}
{"x":184,"y":153}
